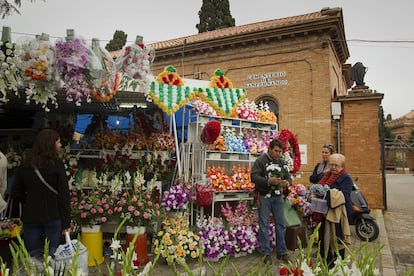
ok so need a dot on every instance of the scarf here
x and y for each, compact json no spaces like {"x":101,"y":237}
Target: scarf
{"x":321,"y":167}
{"x":329,"y":178}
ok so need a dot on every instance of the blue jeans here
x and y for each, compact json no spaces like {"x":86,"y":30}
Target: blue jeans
{"x":271,"y":205}
{"x":36,"y":233}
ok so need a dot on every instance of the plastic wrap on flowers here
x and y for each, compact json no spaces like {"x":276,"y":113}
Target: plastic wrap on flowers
{"x":134,"y":63}
{"x":72,"y":59}
{"x":39,"y":72}
{"x":102,"y":69}
{"x":9,"y":72}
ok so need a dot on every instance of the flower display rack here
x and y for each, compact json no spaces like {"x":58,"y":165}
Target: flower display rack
{"x":237,"y":157}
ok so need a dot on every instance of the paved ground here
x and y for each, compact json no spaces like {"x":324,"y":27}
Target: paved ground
{"x":399,"y":222}
{"x":396,"y":228}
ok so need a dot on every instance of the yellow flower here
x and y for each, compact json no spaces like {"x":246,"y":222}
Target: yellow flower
{"x":194,"y":254}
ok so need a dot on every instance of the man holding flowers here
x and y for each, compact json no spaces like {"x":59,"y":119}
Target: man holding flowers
{"x":270,"y":174}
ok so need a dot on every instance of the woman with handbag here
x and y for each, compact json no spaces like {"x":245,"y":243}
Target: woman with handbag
{"x":41,"y":185}
{"x":335,"y":227}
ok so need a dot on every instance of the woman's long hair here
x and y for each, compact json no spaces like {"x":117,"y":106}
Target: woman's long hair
{"x":43,"y":149}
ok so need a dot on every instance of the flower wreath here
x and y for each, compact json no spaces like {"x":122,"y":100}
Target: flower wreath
{"x":291,"y":144}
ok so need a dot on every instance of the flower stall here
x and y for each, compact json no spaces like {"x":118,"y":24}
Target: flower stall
{"x":141,"y":173}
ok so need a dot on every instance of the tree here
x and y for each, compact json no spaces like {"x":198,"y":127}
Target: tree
{"x":214,"y":15}
{"x":7,"y":8}
{"x":117,"y":42}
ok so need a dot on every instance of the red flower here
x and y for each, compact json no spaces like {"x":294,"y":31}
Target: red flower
{"x":283,"y":271}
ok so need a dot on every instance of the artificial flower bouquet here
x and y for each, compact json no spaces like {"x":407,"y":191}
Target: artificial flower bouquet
{"x":201,"y":107}
{"x":215,"y":240}
{"x":264,"y":114}
{"x":247,"y":110}
{"x":177,"y":246}
{"x":72,"y":60}
{"x":9,"y":71}
{"x":10,"y":228}
{"x":296,"y":194}
{"x":234,"y":143}
{"x":219,"y":179}
{"x":134,"y":62}
{"x":40,"y":77}
{"x":276,"y":170}
{"x":177,"y":197}
{"x":242,"y":223}
{"x":220,"y":144}
{"x":241,"y":178}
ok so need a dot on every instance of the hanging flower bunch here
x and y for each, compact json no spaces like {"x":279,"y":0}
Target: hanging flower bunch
{"x":72,"y":60}
{"x":177,"y":197}
{"x":234,"y":143}
{"x":201,"y":107}
{"x":92,"y":207}
{"x":264,"y":114}
{"x":139,"y":204}
{"x":134,"y":63}
{"x":102,"y":71}
{"x":247,"y":110}
{"x":38,"y":67}
{"x":9,"y":72}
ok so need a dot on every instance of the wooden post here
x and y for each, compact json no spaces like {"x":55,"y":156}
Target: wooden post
{"x":6,"y":34}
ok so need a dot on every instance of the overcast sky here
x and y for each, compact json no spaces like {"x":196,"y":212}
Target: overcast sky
{"x":373,"y":21}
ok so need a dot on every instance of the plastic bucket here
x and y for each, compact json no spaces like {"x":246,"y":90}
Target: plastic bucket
{"x":93,"y":241}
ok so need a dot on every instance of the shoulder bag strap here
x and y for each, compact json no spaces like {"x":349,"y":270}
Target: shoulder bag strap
{"x":44,"y":182}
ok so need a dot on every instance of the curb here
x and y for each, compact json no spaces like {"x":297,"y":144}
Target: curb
{"x":386,"y":258}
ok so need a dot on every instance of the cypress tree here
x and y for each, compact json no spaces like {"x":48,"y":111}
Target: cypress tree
{"x":214,"y":15}
{"x":117,"y":42}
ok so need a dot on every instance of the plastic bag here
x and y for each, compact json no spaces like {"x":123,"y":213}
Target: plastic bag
{"x":291,"y":217}
{"x":65,"y":252}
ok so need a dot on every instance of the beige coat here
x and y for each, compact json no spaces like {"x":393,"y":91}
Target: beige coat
{"x":336,"y":214}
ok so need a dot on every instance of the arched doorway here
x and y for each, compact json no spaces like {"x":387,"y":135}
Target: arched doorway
{"x":272,"y":103}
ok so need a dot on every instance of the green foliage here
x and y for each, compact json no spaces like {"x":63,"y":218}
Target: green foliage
{"x":388,"y":135}
{"x":359,"y":261}
{"x":117,"y":42}
{"x":214,"y":15}
{"x":7,"y":8}
{"x":411,"y":138}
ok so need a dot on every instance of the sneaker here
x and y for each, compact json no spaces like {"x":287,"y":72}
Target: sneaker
{"x":283,"y":258}
{"x":267,"y":260}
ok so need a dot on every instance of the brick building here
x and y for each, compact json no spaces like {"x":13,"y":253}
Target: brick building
{"x":298,"y":64}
